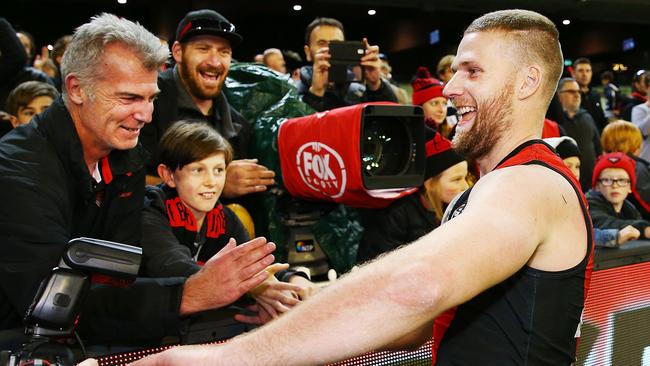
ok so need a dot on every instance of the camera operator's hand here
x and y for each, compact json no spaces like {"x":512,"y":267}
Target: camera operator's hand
{"x":228,"y":275}
{"x":320,"y":76}
{"x":371,"y":66}
{"x":246,"y":176}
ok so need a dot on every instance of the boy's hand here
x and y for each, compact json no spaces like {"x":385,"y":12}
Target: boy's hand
{"x":307,"y":288}
{"x":260,"y":315}
{"x":275,"y":297}
{"x":228,"y":275}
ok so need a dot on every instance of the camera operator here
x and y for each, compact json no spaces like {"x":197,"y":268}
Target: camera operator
{"x":314,"y":84}
{"x":78,"y":170}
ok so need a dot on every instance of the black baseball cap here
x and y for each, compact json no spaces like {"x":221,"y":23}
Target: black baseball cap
{"x":206,"y":21}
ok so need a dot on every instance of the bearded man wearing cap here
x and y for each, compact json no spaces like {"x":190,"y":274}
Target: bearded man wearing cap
{"x":192,"y":90}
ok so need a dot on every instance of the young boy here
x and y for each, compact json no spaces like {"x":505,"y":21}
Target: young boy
{"x":567,"y":149}
{"x":29,"y":99}
{"x":613,"y":177}
{"x":185,"y":225}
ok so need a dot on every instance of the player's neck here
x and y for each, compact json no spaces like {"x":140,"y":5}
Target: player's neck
{"x":502,"y":148}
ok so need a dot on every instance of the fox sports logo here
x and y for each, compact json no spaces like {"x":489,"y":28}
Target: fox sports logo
{"x":321,"y":169}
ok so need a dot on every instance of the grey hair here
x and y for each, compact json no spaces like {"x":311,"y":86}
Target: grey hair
{"x":563,"y":81}
{"x":85,"y":52}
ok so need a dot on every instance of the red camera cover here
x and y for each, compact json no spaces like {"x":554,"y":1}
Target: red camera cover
{"x":320,"y":159}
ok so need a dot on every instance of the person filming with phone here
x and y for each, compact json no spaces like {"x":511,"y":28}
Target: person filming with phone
{"x":316,"y":85}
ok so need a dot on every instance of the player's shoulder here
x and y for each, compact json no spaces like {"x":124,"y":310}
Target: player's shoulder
{"x":532,"y":183}
{"x":524,"y":176}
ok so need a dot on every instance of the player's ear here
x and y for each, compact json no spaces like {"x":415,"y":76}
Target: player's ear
{"x":530,"y":83}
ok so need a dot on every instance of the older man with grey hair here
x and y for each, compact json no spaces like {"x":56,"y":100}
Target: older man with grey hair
{"x":579,"y":125}
{"x":78,"y":170}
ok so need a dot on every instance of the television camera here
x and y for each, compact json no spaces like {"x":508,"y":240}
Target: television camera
{"x":363,"y":156}
{"x":326,"y":163}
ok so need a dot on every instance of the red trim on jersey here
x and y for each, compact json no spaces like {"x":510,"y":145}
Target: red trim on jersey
{"x":440,"y":326}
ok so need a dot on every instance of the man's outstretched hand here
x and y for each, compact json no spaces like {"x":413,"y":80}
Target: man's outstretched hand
{"x":228,"y":275}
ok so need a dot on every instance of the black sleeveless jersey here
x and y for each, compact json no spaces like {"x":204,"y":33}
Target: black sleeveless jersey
{"x":532,"y":317}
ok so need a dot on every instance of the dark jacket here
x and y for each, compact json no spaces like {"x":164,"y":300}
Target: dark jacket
{"x":172,"y":105}
{"x":48,"y":198}
{"x":642,"y":187}
{"x":604,"y":216}
{"x":171,"y":240}
{"x":341,"y":95}
{"x":590,"y":101}
{"x":582,"y":129}
{"x":400,"y":223}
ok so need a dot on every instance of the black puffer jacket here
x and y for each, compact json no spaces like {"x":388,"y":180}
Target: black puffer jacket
{"x":400,"y":223}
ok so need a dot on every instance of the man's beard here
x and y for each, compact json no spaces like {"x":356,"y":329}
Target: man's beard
{"x":193,"y":85}
{"x":493,"y":119}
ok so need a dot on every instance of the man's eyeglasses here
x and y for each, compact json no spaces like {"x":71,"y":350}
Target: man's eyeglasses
{"x":608,"y":182}
{"x":573,"y":92}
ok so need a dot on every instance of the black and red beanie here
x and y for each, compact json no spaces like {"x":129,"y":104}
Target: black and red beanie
{"x":426,"y":87}
{"x":565,"y":146}
{"x":440,"y":155}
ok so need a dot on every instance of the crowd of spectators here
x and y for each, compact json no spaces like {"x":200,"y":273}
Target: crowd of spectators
{"x":87,"y":126}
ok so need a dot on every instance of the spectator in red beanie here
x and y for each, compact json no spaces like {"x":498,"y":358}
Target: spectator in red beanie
{"x":427,"y":93}
{"x":612,"y":180}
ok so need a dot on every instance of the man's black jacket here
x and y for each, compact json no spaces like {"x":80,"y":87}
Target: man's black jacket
{"x":48,"y":197}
